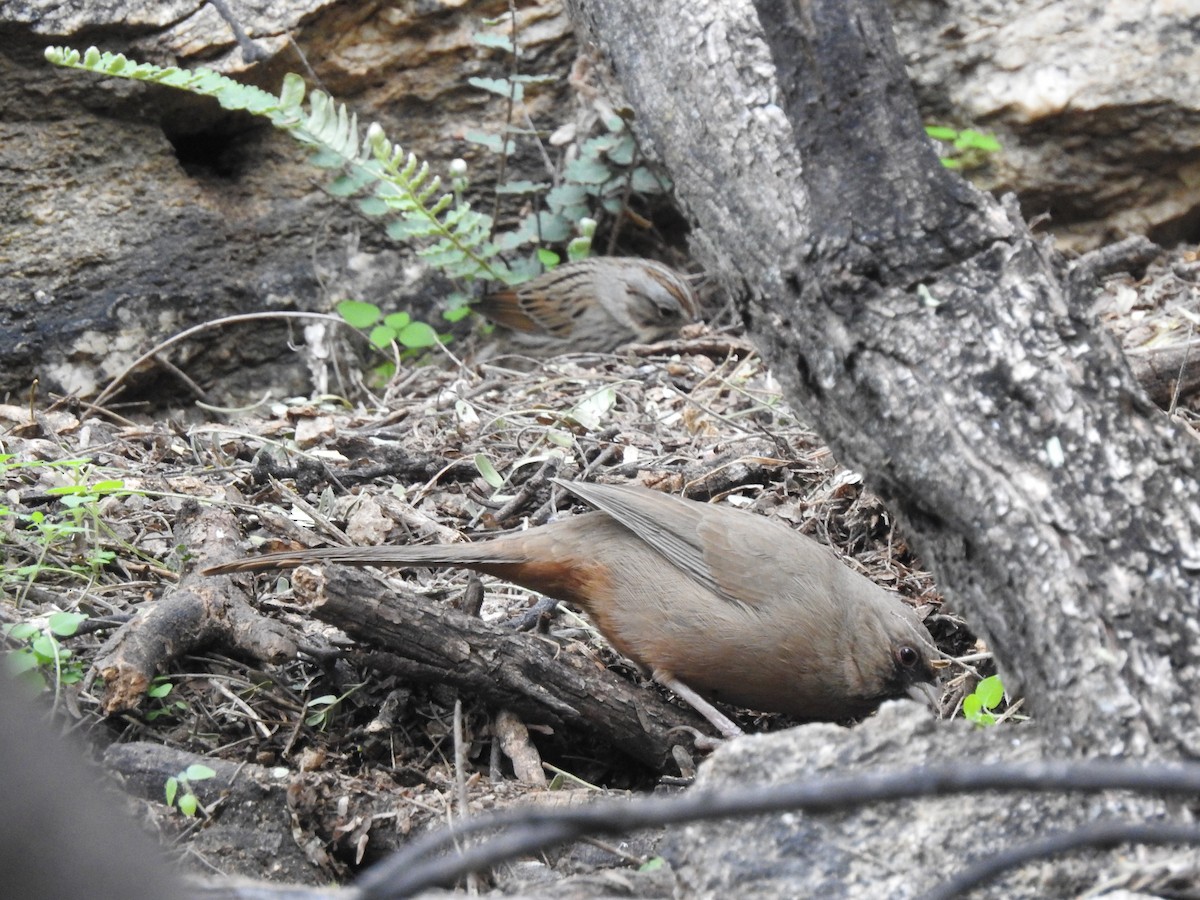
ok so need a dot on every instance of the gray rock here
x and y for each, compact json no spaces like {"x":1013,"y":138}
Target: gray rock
{"x":1097,"y":106}
{"x":899,"y":849}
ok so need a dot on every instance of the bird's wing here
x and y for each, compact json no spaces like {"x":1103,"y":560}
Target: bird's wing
{"x":739,"y":556}
{"x":531,"y":311}
{"x":505,"y":308}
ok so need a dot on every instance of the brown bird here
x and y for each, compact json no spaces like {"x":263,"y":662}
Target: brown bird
{"x":593,"y":305}
{"x":725,"y":602}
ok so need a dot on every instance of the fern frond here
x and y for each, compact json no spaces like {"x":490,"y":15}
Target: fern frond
{"x":394,"y":180}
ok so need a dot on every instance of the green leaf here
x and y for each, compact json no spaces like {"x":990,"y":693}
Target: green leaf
{"x":358,"y":314}
{"x":941,"y":133}
{"x":491,"y":141}
{"x":416,"y":335}
{"x":969,"y":139}
{"x":46,"y":648}
{"x":972,"y":708}
{"x":405,"y":229}
{"x":397,"y":320}
{"x":488,"y":471}
{"x":566,"y":194}
{"x":495,"y":41}
{"x":621,"y":153}
{"x":67,"y":490}
{"x":381,"y":337}
{"x":21,"y":631}
{"x":594,"y":148}
{"x":579,"y":248}
{"x":501,"y":86}
{"x":188,"y":805}
{"x":990,"y":691}
{"x":159,"y":689}
{"x":98,"y":559}
{"x":172,"y":788}
{"x":587,"y":171}
{"x":292,"y":93}
{"x":325,"y":158}
{"x":198,"y":772}
{"x":21,"y":661}
{"x":555,"y":228}
{"x":590,"y":411}
{"x":77,"y":498}
{"x":644,"y":181}
{"x":521,"y":187}
{"x":373,"y":206}
{"x":65,"y":624}
{"x":347,"y":185}
{"x":548,"y":258}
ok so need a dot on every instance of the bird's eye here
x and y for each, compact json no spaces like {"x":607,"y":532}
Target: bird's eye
{"x":649,"y":309}
{"x":907,"y":656}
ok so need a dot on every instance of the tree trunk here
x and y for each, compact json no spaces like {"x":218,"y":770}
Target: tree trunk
{"x":938,"y":346}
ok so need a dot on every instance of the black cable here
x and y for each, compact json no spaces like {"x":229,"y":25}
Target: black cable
{"x":426,"y":863}
{"x":1102,"y":835}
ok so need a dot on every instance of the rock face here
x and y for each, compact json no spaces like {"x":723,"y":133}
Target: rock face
{"x":1097,"y":106}
{"x":902,"y":849}
{"x":132,"y":213}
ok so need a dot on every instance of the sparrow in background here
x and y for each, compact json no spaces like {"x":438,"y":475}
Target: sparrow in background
{"x":593,"y":305}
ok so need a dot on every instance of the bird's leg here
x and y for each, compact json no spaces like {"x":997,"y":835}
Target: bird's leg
{"x":531,"y":619}
{"x":719,"y":720}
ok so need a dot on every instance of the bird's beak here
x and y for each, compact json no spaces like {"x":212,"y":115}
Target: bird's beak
{"x":926,"y":693}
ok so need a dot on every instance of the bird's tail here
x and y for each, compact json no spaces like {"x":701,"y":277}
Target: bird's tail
{"x":402,"y":555}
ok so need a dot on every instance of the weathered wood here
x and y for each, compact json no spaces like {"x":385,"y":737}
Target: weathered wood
{"x":530,"y":676}
{"x":197,"y":613}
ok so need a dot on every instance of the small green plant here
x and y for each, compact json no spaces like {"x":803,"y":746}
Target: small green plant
{"x":488,"y":470}
{"x":967,"y":149}
{"x":160,"y":689}
{"x":397,"y":331}
{"x":597,"y":173}
{"x":324,"y":708}
{"x":43,"y":661}
{"x":188,"y":803}
{"x":73,"y":532}
{"x":978,"y":706}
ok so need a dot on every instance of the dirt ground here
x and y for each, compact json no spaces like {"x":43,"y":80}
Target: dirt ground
{"x":328,"y":746}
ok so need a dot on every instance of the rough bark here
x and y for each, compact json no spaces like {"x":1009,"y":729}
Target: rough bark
{"x":938,"y":346}
{"x":529,"y":676}
{"x":199,"y":612}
